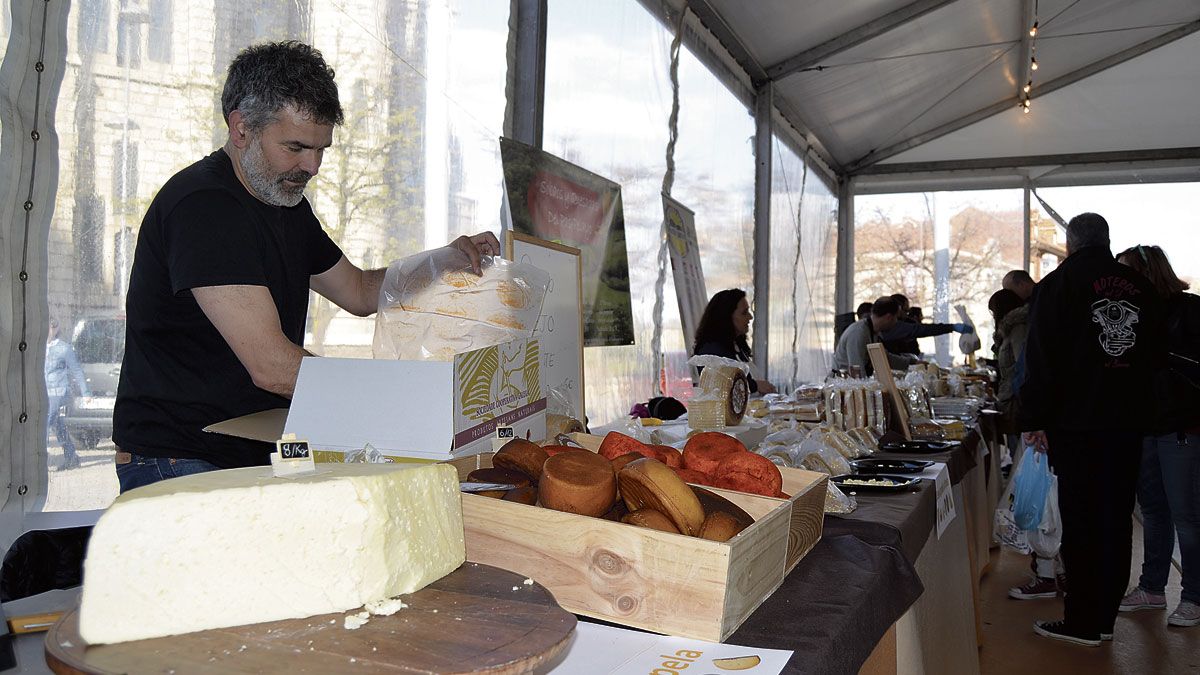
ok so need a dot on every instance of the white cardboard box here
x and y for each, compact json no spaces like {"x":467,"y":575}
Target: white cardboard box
{"x":433,"y":410}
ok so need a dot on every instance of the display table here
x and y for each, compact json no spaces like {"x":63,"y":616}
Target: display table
{"x":837,"y":604}
{"x":936,"y":635}
{"x":967,"y":465}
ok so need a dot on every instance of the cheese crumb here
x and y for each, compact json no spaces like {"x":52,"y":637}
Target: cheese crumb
{"x":386,"y":607}
{"x":516,"y":588}
{"x":528,"y":582}
{"x":355,"y":621}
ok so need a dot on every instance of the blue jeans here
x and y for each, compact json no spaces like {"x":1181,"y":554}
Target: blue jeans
{"x":56,"y":422}
{"x":1169,"y":492}
{"x":142,"y":470}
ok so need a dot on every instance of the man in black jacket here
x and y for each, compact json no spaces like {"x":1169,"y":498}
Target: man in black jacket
{"x":1096,"y":336}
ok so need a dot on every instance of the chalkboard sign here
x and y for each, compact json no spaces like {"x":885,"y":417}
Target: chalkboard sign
{"x":292,"y":456}
{"x":559,"y":329}
{"x":293,"y":449}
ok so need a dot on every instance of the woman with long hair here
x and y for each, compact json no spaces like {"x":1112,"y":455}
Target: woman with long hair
{"x":1169,"y":482}
{"x":723,"y":329}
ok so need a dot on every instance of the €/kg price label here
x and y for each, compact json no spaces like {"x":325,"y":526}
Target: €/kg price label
{"x":293,"y":449}
{"x":292,"y":456}
{"x":503,"y":435}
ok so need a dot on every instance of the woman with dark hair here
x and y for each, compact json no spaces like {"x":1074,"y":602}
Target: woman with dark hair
{"x":723,"y":329}
{"x":1169,"y":482}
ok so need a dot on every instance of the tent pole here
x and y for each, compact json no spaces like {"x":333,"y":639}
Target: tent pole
{"x":844,"y":289}
{"x":763,"y":107}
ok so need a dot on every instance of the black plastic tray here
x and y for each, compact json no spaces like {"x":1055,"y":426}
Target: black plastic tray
{"x":890,"y":466}
{"x":918,"y":446}
{"x":897,"y":483}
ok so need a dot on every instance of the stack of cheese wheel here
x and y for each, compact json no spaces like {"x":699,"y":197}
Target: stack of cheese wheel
{"x":722,"y":399}
{"x":709,"y":458}
{"x":720,"y":460}
{"x":627,"y":481}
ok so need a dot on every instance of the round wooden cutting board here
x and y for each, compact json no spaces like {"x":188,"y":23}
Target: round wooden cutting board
{"x":476,"y":619}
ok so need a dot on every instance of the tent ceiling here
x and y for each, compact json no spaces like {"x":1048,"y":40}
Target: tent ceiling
{"x":908,"y":82}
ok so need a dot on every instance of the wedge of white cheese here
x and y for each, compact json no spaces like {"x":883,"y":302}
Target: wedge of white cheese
{"x":237,"y":547}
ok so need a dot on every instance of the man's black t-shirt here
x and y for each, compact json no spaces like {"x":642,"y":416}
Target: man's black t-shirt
{"x":179,"y":375}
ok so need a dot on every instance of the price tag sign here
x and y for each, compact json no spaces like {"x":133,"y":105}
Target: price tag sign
{"x":945,"y":500}
{"x":503,"y":435}
{"x":292,"y":456}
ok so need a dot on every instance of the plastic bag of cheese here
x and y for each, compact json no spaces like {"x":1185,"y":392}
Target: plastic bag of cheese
{"x":432,"y":306}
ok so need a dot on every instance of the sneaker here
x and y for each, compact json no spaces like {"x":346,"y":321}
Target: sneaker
{"x":1038,"y":587}
{"x":1058,"y":630}
{"x":69,"y":463}
{"x":1140,"y":598}
{"x":1186,"y":614}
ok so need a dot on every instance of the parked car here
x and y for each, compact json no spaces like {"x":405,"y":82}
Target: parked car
{"x":99,"y":343}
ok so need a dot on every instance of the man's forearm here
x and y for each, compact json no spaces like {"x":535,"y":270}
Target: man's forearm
{"x":279,"y":375}
{"x":372,"y":281}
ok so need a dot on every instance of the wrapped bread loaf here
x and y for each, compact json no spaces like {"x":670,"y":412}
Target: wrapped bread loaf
{"x":432,"y":306}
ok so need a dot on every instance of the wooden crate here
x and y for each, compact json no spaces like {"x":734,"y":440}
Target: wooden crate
{"x":667,"y":583}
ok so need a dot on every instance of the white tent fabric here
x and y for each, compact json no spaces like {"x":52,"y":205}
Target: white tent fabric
{"x":896,"y":82}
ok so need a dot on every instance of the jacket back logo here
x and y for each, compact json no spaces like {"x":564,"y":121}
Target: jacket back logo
{"x":1116,"y":319}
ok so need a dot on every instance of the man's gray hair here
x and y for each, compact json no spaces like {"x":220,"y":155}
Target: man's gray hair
{"x":266,"y":78}
{"x":1087,"y":229}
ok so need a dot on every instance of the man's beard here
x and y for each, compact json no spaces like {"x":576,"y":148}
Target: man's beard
{"x":268,"y":185}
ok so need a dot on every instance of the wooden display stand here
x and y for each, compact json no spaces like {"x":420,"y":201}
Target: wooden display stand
{"x":883,"y":373}
{"x":667,"y":583}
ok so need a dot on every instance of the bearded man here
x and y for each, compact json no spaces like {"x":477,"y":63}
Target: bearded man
{"x":225,"y":259}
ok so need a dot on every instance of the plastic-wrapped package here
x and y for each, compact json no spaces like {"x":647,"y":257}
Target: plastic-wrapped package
{"x":432,"y":306}
{"x":789,"y":436}
{"x":633,"y":427}
{"x":366,"y":455}
{"x":857,"y":447}
{"x":837,"y":501}
{"x":813,"y":454}
{"x":881,"y":414}
{"x":867,"y":442}
{"x":837,"y":439}
{"x":561,"y":416}
{"x":781,"y":455}
{"x":833,"y":403}
{"x":724,"y":393}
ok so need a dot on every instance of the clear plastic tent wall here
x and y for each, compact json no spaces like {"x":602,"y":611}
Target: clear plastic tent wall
{"x":416,"y":163}
{"x":608,"y":98}
{"x":803,"y":271}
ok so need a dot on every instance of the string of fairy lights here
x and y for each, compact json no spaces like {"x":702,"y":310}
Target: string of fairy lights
{"x":1033,"y":64}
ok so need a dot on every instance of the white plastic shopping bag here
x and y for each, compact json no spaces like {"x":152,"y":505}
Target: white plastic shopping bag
{"x":1004,"y":524}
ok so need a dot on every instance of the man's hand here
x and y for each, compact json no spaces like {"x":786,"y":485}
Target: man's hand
{"x":477,"y":246}
{"x":1036,"y":440}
